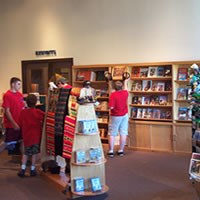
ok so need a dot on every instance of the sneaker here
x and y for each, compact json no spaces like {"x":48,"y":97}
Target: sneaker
{"x":21,"y":173}
{"x":111,"y":154}
{"x":33,"y":173}
{"x":120,"y":153}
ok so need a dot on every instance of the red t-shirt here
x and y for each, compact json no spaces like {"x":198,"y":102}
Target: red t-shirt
{"x":31,"y":122}
{"x":67,"y":86}
{"x":118,"y":100}
{"x":14,"y":101}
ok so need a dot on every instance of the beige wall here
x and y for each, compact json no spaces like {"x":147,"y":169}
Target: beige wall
{"x":97,"y":31}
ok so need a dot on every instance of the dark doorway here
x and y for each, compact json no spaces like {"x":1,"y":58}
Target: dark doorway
{"x":36,"y":73}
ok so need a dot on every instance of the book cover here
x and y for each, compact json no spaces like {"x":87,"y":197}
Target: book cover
{"x":154,"y":86}
{"x":154,"y":100}
{"x":181,"y":93}
{"x":87,"y":126}
{"x":194,"y":168}
{"x":133,"y":112}
{"x":100,"y":76}
{"x":150,"y":113}
{"x":182,"y":74}
{"x":79,"y":184}
{"x":135,"y":72}
{"x":160,"y":71}
{"x":168,"y":86}
{"x":145,"y":100}
{"x":117,"y":72}
{"x":146,"y":85}
{"x":144,"y":113}
{"x":161,"y":86}
{"x":156,"y":114}
{"x":83,"y":75}
{"x":80,"y":156}
{"x":95,"y":154}
{"x":135,"y":100}
{"x":95,"y":184}
{"x":139,"y":113}
{"x":136,"y":86}
{"x":144,"y":71}
{"x":183,"y":113}
{"x":168,"y":71}
{"x":163,"y":100}
{"x":152,"y":72}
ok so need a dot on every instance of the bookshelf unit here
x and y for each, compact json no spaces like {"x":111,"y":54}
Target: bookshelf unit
{"x":159,"y":134}
{"x":84,"y":142}
{"x":102,"y":88}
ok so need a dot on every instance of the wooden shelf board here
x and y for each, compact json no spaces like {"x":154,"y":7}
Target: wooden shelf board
{"x":185,"y":121}
{"x":151,"y":92}
{"x":182,"y":82}
{"x":101,"y":110}
{"x":151,"y":119}
{"x":153,"y":78}
{"x":182,"y":100}
{"x":151,"y":106}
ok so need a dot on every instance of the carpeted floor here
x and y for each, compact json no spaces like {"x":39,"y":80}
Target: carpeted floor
{"x":139,"y":175}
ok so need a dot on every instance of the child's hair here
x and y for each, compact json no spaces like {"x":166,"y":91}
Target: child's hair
{"x":31,"y":100}
{"x":118,"y":85}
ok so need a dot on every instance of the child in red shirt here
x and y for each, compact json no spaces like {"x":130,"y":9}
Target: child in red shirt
{"x":31,"y":122}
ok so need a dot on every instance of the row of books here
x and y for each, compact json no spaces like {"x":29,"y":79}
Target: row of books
{"x":184,"y":113}
{"x":94,"y":154}
{"x":103,"y":132}
{"x":149,"y":85}
{"x":95,"y":182}
{"x":183,"y":93}
{"x":150,"y":113}
{"x":103,"y":106}
{"x":102,"y":93}
{"x":158,"y":71}
{"x":151,"y":100}
{"x":90,"y":75}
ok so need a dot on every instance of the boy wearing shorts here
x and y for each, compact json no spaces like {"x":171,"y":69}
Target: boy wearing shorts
{"x":118,"y":117}
{"x":31,"y":122}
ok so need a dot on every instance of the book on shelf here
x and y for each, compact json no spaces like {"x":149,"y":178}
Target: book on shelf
{"x":135,"y":72}
{"x":146,"y":85}
{"x":117,"y":72}
{"x":79,"y":184}
{"x":150,"y":113}
{"x":163,"y":100}
{"x":145,"y":100}
{"x":85,"y":75}
{"x":181,"y":94}
{"x":87,"y":126}
{"x":144,"y":113}
{"x":154,"y":100}
{"x":139,"y":113}
{"x":194,"y":167}
{"x":156,"y":113}
{"x":161,"y":86}
{"x":133,"y":112}
{"x":144,"y":71}
{"x":95,"y":154}
{"x":152,"y":72}
{"x":167,"y":71}
{"x":136,"y":86}
{"x":160,"y":71}
{"x":95,"y":184}
{"x":166,"y":114}
{"x":168,"y":86}
{"x":102,"y":132}
{"x":100,"y":76}
{"x":80,"y":156}
{"x":182,"y":74}
{"x":183,"y":113}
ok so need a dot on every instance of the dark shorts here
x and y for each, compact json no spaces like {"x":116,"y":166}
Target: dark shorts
{"x":34,"y":149}
{"x":12,"y":135}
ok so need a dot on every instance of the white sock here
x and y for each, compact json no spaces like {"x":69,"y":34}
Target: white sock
{"x":110,"y":151}
{"x":32,"y":167}
{"x":120,"y":150}
{"x":23,"y":166}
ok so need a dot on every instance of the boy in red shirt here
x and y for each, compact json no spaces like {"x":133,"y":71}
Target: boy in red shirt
{"x":31,"y":122}
{"x":118,"y":117}
{"x":13,"y":103}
